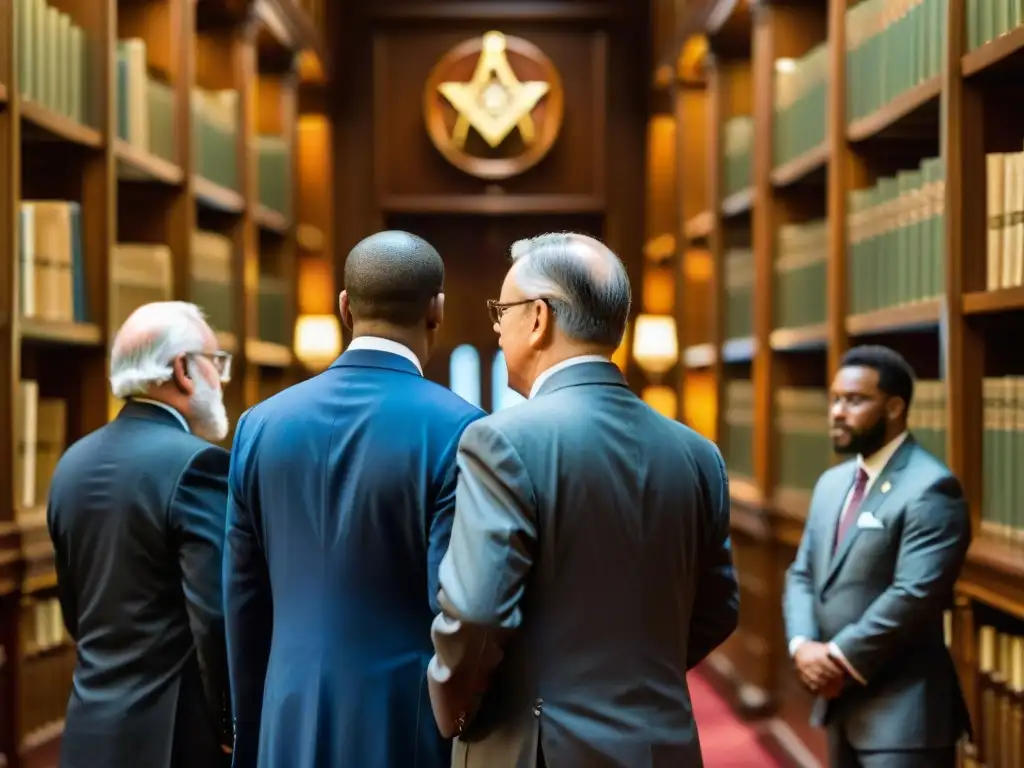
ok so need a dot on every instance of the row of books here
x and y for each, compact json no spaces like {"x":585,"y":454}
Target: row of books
{"x":739,"y":293}
{"x":737,"y":443}
{"x":804,"y":446}
{"x":43,"y":693}
{"x":896,"y":235}
{"x":1002,"y":506}
{"x":1000,"y":677}
{"x":988,"y":19}
{"x":41,"y":626}
{"x":51,"y":283}
{"x":215,"y":118}
{"x":801,"y":96}
{"x":1005,"y":210}
{"x":145,"y":105}
{"x":53,"y":60}
{"x":737,"y":153}
{"x":800,"y":275}
{"x":274,"y":173}
{"x":892,"y":46}
{"x":40,"y":437}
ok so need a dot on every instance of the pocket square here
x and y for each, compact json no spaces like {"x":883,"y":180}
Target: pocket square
{"x":869,"y":521}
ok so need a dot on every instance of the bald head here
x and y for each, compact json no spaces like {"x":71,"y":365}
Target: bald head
{"x":584,"y":282}
{"x":392,"y":277}
{"x":153,"y":335}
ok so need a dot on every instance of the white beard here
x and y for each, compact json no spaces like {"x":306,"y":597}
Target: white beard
{"x":209,"y":414}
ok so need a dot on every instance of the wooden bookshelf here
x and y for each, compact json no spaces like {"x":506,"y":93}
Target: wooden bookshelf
{"x":108,"y":174}
{"x":918,"y":146}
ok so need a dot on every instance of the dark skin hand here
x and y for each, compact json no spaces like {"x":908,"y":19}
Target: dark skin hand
{"x":819,"y":672}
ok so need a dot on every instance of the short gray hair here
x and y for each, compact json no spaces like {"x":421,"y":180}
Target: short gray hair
{"x":583,"y":282}
{"x":146,"y":345}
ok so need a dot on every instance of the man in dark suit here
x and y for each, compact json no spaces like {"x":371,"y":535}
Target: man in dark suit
{"x":136,"y":514}
{"x":342,"y":491}
{"x":590,"y":565}
{"x":886,"y":537}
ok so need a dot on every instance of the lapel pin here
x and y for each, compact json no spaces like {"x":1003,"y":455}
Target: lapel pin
{"x":886,"y":487}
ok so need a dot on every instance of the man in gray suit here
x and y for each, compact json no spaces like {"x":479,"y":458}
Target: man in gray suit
{"x":589,"y":566}
{"x":884,"y":543}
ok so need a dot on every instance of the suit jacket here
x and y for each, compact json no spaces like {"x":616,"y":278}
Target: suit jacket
{"x":881,"y":598}
{"x":589,"y":568}
{"x":136,"y":514}
{"x":342,"y":495}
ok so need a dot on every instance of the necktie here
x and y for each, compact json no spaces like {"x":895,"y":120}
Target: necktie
{"x":860,"y":485}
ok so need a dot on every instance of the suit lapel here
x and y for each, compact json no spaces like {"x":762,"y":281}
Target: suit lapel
{"x":840,"y":491}
{"x":873,"y":503}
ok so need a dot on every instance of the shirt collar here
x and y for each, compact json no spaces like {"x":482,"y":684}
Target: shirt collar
{"x":167,"y":408}
{"x":377,"y":344}
{"x":875,"y":463}
{"x":562,"y":366}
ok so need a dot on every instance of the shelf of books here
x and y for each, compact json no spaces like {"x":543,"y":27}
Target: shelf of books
{"x":859,"y":190}
{"x":159,"y":186}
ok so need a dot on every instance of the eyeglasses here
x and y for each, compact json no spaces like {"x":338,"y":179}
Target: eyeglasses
{"x":497,"y":309}
{"x":221,"y":362}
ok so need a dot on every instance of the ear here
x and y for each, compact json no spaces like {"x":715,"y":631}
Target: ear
{"x":895,"y":408}
{"x":345,"y":310}
{"x":181,"y":377}
{"x":543,"y":324}
{"x":435,"y":312}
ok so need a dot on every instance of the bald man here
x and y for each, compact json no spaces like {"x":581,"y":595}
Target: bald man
{"x":136,"y":513}
{"x":342,"y":495}
{"x":589,"y":566}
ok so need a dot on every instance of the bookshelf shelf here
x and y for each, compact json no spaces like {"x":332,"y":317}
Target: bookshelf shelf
{"x":227,"y":341}
{"x":922,"y":316}
{"x":138,"y":165}
{"x":699,"y":356}
{"x":59,"y":127}
{"x":216,"y":197}
{"x":799,"y":168}
{"x":739,"y":350}
{"x":738,"y":203}
{"x":993,"y":302}
{"x":744,"y":490}
{"x":792,"y":502}
{"x":912,"y":108}
{"x":3,"y":95}
{"x":271,"y":221}
{"x":699,"y":227}
{"x":799,"y":339}
{"x":1001,"y":56}
{"x":268,"y":354}
{"x":994,"y":574}
{"x":71,"y":334}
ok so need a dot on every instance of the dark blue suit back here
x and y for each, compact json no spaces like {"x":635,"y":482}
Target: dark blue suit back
{"x":342,"y":497}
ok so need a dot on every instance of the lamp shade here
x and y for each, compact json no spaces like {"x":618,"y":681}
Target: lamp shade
{"x":317,"y":340}
{"x":655,"y":346}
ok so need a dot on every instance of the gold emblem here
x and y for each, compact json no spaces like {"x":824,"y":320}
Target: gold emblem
{"x":516,"y":116}
{"x":886,"y":487}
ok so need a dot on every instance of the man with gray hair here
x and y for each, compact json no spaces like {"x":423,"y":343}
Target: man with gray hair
{"x":137,"y":518}
{"x":589,"y":566}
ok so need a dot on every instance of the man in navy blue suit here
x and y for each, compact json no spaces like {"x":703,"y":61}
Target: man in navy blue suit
{"x":342,"y":493}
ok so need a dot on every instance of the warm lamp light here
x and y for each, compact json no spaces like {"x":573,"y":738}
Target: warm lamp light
{"x":655,"y":346}
{"x":621,"y":356}
{"x":662,"y":399}
{"x":317,"y":340}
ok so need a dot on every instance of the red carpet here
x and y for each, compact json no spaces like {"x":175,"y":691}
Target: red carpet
{"x":725,"y":740}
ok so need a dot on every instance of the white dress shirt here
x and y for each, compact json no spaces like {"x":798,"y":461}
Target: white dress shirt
{"x":561,"y":366}
{"x":166,"y":407}
{"x":377,"y":344}
{"x":872,"y":466}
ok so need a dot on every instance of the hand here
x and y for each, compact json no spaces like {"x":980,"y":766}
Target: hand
{"x":818,"y":671}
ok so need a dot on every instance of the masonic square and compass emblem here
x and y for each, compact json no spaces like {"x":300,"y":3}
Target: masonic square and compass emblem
{"x":493,"y":106}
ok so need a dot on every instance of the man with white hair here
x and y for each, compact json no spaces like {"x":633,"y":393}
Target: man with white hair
{"x":589,"y":566}
{"x":137,"y":518}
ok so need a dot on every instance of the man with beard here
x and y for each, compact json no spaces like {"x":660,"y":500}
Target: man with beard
{"x":136,"y":514}
{"x":885,"y":539}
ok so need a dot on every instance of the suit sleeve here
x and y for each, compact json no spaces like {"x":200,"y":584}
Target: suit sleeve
{"x":483,"y":575}
{"x":717,"y":602}
{"x":248,"y":606}
{"x":933,"y":546}
{"x":197,"y":519}
{"x":798,"y":597}
{"x":439,"y":530}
